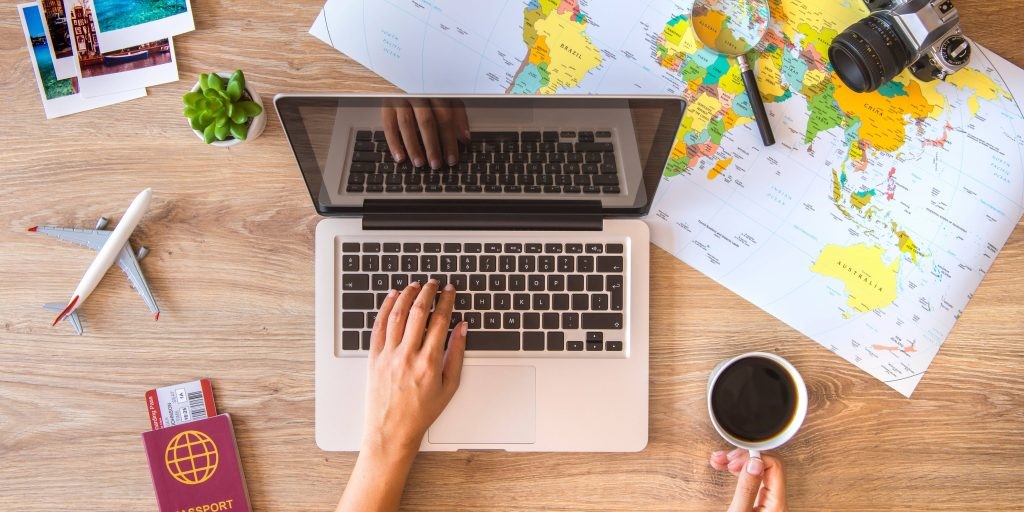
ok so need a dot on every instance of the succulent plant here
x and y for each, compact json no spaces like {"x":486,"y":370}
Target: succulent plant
{"x":220,"y":109}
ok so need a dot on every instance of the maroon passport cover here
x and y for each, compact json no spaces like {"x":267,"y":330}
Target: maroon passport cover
{"x":195,"y":467}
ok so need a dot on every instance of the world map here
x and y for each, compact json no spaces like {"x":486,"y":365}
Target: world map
{"x":867,"y":227}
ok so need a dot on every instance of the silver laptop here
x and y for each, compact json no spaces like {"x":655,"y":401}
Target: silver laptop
{"x":536,"y":226}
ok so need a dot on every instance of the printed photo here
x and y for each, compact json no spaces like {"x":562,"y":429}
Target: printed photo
{"x":58,"y":34}
{"x":123,"y":24}
{"x":104,"y":72}
{"x":60,"y":97}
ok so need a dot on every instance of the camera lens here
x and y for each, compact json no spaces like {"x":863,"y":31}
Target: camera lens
{"x":869,"y":53}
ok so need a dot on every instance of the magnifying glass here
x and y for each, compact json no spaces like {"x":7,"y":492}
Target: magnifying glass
{"x":733,"y":28}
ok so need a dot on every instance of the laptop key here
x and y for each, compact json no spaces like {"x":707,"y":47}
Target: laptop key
{"x":399,"y":281}
{"x":350,"y":247}
{"x":380,"y":282}
{"x":502,"y":301}
{"x":599,"y":302}
{"x":482,"y":302}
{"x":449,"y":247}
{"x":549,"y":321}
{"x":594,"y":248}
{"x":350,"y":340}
{"x":354,"y":188}
{"x":473,"y":320}
{"x":371,"y":263}
{"x":449,"y":263}
{"x":575,"y":283}
{"x":463,"y":301}
{"x":595,"y":283}
{"x":531,"y":320}
{"x":364,"y":135}
{"x":585,"y":264}
{"x":432,"y":248}
{"x":367,"y":156}
{"x":352,"y":320}
{"x":488,"y":263}
{"x":601,"y":321}
{"x":492,"y":320}
{"x":498,"y":340}
{"x":570,"y":321}
{"x":595,"y":345}
{"x":580,"y":302}
{"x":613,"y":346}
{"x":614,"y":285}
{"x":459,"y":281}
{"x":510,"y":321}
{"x":609,"y":264}
{"x":516,"y":282}
{"x":477,"y":282}
{"x":614,"y":248}
{"x":533,"y":341}
{"x":352,"y":300}
{"x":574,"y":345}
{"x":560,"y":302}
{"x":521,"y":302}
{"x":371,"y":247}
{"x":365,"y":345}
{"x":556,"y":341}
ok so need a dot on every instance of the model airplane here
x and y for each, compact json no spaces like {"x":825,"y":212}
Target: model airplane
{"x":113,"y":246}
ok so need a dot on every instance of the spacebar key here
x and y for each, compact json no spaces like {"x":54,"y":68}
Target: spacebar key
{"x":601,"y":321}
{"x":492,"y":340}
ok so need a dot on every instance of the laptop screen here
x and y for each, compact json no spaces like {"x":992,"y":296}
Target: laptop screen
{"x":355,"y":150}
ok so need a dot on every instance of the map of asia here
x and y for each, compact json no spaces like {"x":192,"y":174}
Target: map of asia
{"x":867,"y":227}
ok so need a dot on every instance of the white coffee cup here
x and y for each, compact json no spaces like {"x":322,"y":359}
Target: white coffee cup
{"x":797,"y":419}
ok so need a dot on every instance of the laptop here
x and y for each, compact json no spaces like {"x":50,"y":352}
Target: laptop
{"x":537,"y":227}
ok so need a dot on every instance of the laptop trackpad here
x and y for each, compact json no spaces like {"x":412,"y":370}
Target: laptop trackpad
{"x":494,"y":404}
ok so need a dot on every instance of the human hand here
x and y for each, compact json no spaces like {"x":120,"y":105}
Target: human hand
{"x":411,"y":376}
{"x":761,"y":486}
{"x":441,"y":124}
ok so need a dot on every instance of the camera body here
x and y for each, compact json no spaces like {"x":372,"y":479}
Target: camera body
{"x":922,"y":34}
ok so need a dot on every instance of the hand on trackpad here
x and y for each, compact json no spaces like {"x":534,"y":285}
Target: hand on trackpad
{"x":494,"y":404}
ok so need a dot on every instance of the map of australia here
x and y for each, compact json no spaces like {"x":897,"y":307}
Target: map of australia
{"x":878,"y":214}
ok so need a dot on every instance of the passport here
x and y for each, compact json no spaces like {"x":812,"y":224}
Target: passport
{"x":196,"y":468}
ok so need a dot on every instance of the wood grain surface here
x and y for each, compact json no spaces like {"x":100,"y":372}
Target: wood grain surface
{"x":232,"y":267}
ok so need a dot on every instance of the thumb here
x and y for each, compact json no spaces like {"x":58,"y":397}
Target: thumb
{"x":747,"y":486}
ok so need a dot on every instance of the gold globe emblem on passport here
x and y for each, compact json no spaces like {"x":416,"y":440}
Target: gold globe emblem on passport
{"x":191,"y":457}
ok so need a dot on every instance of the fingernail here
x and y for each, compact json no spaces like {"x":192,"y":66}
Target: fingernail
{"x":735,"y":453}
{"x":463,"y":329}
{"x":392,"y":293}
{"x":465,"y":133}
{"x":435,"y":164}
{"x":434,"y":282}
{"x":717,"y":453}
{"x":398,"y":156}
{"x":452,"y":160}
{"x":418,"y":162}
{"x":415,"y":284}
{"x":755,"y":466}
{"x":448,"y":287}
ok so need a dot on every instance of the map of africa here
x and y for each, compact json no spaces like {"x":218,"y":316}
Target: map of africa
{"x":867,"y":227}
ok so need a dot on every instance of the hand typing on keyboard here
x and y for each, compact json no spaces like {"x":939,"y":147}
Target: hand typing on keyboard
{"x":425,"y":130}
{"x":411,"y":377}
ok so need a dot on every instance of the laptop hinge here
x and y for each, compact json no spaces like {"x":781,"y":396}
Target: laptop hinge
{"x":483,"y":215}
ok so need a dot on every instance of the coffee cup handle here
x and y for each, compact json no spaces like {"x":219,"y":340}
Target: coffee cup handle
{"x":755,"y":454}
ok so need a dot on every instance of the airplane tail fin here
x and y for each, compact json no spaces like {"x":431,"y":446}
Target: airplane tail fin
{"x":67,"y":310}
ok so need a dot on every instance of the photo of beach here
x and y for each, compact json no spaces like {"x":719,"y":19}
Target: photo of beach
{"x":52,"y":87}
{"x":118,"y":14}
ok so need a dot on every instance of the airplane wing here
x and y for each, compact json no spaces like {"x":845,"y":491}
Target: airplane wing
{"x":126,"y":260}
{"x":73,"y":317}
{"x":91,"y":238}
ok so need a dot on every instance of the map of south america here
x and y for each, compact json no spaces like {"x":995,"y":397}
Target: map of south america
{"x":559,"y":53}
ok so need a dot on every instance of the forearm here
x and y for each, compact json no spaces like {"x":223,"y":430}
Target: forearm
{"x":377,"y":480}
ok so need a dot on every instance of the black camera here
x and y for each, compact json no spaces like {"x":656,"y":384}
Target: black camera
{"x":922,"y":34}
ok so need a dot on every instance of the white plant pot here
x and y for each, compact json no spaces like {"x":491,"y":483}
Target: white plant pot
{"x":256,"y":124}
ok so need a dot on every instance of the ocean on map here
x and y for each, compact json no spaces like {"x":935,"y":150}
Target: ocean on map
{"x":54,"y":88}
{"x":117,"y":14}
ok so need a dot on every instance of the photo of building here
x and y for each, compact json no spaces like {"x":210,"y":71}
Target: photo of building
{"x":57,"y":24}
{"x":94,"y":62}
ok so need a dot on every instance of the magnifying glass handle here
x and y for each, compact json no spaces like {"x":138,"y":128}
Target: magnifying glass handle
{"x":754,"y":94}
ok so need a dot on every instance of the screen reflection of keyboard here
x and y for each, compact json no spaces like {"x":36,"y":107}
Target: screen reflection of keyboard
{"x":530,"y":297}
{"x":528,"y":162}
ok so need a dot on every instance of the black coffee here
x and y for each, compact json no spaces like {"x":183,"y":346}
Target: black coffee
{"x":754,"y":399}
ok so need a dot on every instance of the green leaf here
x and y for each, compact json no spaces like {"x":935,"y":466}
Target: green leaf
{"x":215,"y":82}
{"x":202,"y":82}
{"x":234,"y":90}
{"x":238,"y":78}
{"x":208,"y":134}
{"x":190,"y":112}
{"x":192,"y":98}
{"x":205,"y":118}
{"x":221,"y":120}
{"x":239,"y":130}
{"x":221,"y":132}
{"x":194,"y":123}
{"x":239,"y":117}
{"x":251,"y":108}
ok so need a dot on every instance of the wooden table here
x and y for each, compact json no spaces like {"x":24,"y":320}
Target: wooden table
{"x":231,"y":234}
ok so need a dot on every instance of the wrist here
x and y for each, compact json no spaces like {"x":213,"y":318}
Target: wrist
{"x":389,"y":453}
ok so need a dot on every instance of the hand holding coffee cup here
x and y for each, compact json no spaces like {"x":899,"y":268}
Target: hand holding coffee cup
{"x":757,"y":401}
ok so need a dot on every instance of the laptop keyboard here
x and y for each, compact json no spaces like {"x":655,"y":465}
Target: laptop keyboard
{"x":527,"y":298}
{"x":527,"y":162}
